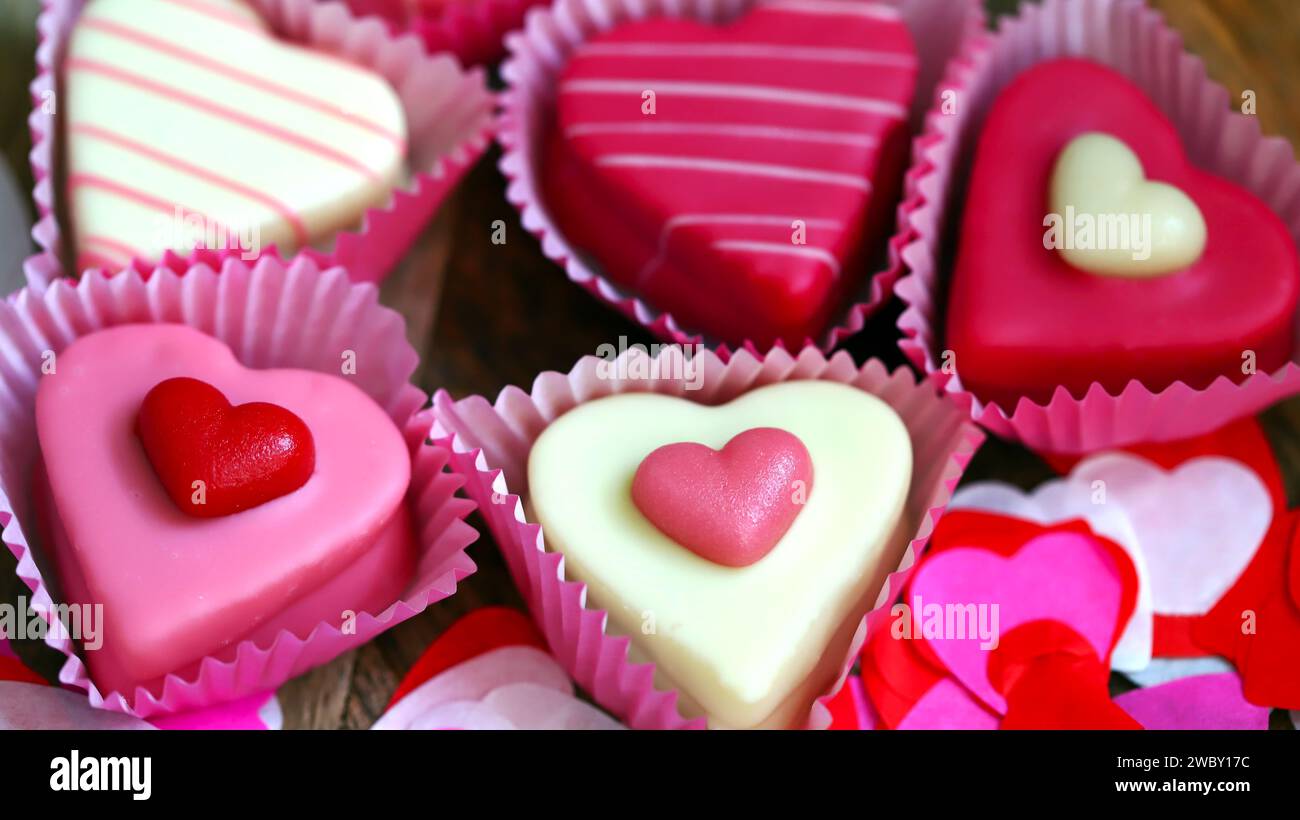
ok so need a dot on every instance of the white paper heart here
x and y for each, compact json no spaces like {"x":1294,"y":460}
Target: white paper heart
{"x":1164,"y":670}
{"x":1198,"y":526}
{"x":514,"y":687}
{"x":36,"y":706}
{"x":1062,"y":500}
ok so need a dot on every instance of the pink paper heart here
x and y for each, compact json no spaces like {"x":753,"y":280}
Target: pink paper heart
{"x":1201,"y":702}
{"x":730,"y":506}
{"x":1062,"y":576}
{"x":948,"y":706}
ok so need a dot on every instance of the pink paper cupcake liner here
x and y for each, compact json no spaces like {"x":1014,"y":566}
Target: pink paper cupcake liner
{"x":470,"y":29}
{"x":271,"y":316}
{"x":490,"y":443}
{"x":537,"y":56}
{"x":1134,"y":40}
{"x":448,"y":115}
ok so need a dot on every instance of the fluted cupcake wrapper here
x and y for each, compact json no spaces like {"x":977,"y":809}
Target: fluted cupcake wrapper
{"x":1134,"y":40}
{"x":490,"y":443}
{"x":271,"y":316}
{"x":537,"y":56}
{"x":448,"y":115}
{"x":471,"y":31}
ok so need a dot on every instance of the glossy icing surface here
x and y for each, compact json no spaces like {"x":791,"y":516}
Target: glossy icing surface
{"x":749,"y":201}
{"x":188,"y":124}
{"x":1022,"y":320}
{"x":747,"y":646}
{"x":175,"y":588}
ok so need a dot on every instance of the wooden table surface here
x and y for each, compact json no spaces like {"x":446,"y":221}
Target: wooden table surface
{"x":485,"y":316}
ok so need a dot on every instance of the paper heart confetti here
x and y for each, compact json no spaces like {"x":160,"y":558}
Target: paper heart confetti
{"x":1198,"y":525}
{"x":1062,"y":500}
{"x":480,"y":631}
{"x":1073,"y":577}
{"x":1053,"y":630}
{"x":1267,"y":659}
{"x":28,"y":701}
{"x":489,"y":670}
{"x":730,"y":506}
{"x":512,"y":687}
{"x":1199,"y":702}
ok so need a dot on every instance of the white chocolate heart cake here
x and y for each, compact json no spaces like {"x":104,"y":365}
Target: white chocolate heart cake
{"x":747,"y":646}
{"x":187,"y":124}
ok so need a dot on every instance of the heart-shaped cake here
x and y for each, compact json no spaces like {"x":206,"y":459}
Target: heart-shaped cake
{"x":751,"y":645}
{"x":1073,"y":257}
{"x":740,"y":177}
{"x":176,"y":588}
{"x":187,"y":124}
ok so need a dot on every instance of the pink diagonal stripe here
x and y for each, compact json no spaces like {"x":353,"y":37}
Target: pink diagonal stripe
{"x":112,"y":244}
{"x":141,"y":198}
{"x":203,"y":61}
{"x":219,"y":14}
{"x":285,"y":211}
{"x":230,"y":114}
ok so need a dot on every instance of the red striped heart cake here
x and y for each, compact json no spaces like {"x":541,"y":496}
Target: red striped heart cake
{"x":739,"y":177}
{"x":187,"y":124}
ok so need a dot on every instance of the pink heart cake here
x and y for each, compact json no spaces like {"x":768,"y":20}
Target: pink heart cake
{"x":740,"y":177}
{"x":176,"y":588}
{"x":1093,"y":251}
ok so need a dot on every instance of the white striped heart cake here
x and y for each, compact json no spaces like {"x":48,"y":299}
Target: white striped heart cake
{"x":188,"y":124}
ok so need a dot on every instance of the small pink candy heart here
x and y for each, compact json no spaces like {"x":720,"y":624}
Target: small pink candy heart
{"x":730,"y":506}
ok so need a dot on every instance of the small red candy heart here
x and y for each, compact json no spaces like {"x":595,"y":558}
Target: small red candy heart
{"x":245,"y":455}
{"x":730,"y":506}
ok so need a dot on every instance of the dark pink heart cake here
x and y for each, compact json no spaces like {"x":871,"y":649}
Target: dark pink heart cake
{"x":739,"y":177}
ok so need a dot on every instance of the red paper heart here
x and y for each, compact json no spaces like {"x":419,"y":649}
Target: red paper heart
{"x":748,"y":200}
{"x":245,"y":455}
{"x":1052,"y":679}
{"x":730,"y":506}
{"x":476,"y":634}
{"x":1021,"y":320}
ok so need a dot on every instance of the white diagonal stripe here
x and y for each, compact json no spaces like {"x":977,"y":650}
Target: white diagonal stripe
{"x":724,"y":166}
{"x":762,"y":51}
{"x":738,"y":91}
{"x":748,"y":246}
{"x":721,"y":129}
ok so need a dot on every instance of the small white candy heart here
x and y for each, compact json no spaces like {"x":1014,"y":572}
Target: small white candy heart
{"x":1139,"y":228}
